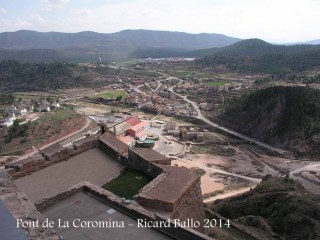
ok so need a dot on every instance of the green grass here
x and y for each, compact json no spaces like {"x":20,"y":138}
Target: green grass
{"x":218,"y":83}
{"x":112,"y":94}
{"x":128,"y":183}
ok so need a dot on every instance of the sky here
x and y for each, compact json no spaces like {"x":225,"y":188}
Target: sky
{"x":276,"y":21}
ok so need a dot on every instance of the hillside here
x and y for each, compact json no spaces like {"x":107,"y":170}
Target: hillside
{"x":250,"y":47}
{"x":255,"y":47}
{"x":257,"y":56}
{"x":287,"y":117}
{"x":15,"y":76}
{"x":89,"y":46}
{"x":276,"y":205}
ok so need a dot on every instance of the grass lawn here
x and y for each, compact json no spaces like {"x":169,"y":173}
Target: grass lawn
{"x":219,"y":83}
{"x":112,"y":94}
{"x":128,"y":183}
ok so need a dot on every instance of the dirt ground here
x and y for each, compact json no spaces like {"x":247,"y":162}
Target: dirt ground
{"x":92,"y":111}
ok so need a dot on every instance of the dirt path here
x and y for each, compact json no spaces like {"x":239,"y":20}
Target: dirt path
{"x":211,"y":169}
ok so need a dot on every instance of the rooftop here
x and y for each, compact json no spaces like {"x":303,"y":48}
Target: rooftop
{"x":173,"y":184}
{"x":141,"y":134}
{"x":149,"y":154}
{"x":126,"y":139}
{"x":139,"y":126}
{"x":120,"y":128}
{"x":114,"y":143}
{"x":133,"y":121}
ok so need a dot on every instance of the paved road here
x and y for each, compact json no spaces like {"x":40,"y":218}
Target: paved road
{"x":234,"y":133}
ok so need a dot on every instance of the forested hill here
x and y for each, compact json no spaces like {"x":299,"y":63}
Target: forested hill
{"x":254,"y":47}
{"x":257,"y":56}
{"x":232,"y":55}
{"x":287,"y":117}
{"x":93,"y":46}
{"x":15,"y":76}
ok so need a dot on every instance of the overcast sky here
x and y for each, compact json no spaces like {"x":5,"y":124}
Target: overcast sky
{"x":276,"y":21}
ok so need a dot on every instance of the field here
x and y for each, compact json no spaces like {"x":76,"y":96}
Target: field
{"x":128,"y":183}
{"x":111,"y":95}
{"x":218,"y":83}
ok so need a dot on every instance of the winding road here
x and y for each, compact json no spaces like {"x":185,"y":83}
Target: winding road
{"x":229,"y":131}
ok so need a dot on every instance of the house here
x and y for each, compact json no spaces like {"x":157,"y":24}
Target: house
{"x":11,"y":109}
{"x":22,"y":110}
{"x":44,"y":106}
{"x":55,"y":105}
{"x":170,"y":126}
{"x":30,"y":108}
{"x":140,"y":127}
{"x":8,"y":121}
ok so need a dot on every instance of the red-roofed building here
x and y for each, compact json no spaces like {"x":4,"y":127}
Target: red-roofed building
{"x":134,"y":130}
{"x":133,"y":121}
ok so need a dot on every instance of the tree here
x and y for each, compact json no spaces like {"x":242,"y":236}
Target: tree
{"x":119,"y":98}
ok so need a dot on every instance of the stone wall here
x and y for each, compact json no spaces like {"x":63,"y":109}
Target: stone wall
{"x":109,"y":151}
{"x":113,"y":146}
{"x":188,"y":205}
{"x":50,"y":156}
{"x":149,"y":168}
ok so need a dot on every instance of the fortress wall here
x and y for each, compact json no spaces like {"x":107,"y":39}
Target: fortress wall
{"x":109,"y":151}
{"x":47,"y":158}
{"x":143,"y":165}
{"x":132,"y":209}
{"x":190,"y":205}
{"x":152,"y":203}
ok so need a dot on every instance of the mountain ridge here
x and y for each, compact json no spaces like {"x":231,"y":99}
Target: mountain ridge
{"x":91,"y":46}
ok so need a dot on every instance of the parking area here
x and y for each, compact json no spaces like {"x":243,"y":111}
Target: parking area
{"x":165,"y":146}
{"x":88,"y":209}
{"x":93,"y":166}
